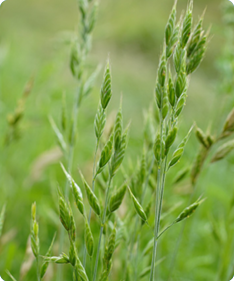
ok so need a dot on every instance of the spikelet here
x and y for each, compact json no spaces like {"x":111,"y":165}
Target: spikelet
{"x":171,"y":90}
{"x":80,"y":271}
{"x":162,"y":69}
{"x":165,"y":106}
{"x":181,"y":80}
{"x":60,"y":259}
{"x":89,"y":242}
{"x":64,"y":213}
{"x":169,"y":30}
{"x":198,"y":164}
{"x":76,"y":191}
{"x":106,"y":154}
{"x":118,"y":128}
{"x":110,"y":246}
{"x":35,"y":245}
{"x":197,"y":55}
{"x":179,"y":151}
{"x":228,"y":127}
{"x":76,"y":60}
{"x":117,"y":198}
{"x":72,"y":231}
{"x":186,"y":26}
{"x":106,"y":87}
{"x":93,"y":200}
{"x":195,"y":37}
{"x":187,"y":212}
{"x":99,"y":122}
{"x":159,"y":95}
{"x":180,"y":105}
{"x":178,"y":55}
{"x":223,"y":151}
{"x":202,"y":138}
{"x":170,"y":139}
{"x":118,"y":156}
{"x":92,"y":17}
{"x":138,"y":206}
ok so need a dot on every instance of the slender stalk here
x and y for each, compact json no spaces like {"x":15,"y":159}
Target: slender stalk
{"x":101,"y":229}
{"x":141,"y":201}
{"x":38,"y":270}
{"x":157,"y":205}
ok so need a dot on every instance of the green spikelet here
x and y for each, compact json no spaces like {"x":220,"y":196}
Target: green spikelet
{"x":170,"y":25}
{"x":61,"y":259}
{"x":187,"y":26}
{"x":80,"y":271}
{"x":64,"y":213}
{"x":99,"y":122}
{"x":106,"y":153}
{"x":157,"y":148}
{"x":198,"y":164}
{"x":89,"y":242}
{"x":117,"y":198}
{"x":93,"y":201}
{"x":76,"y":60}
{"x":177,"y":57}
{"x":170,"y":139}
{"x":138,"y":206}
{"x":159,"y":95}
{"x":179,"y":151}
{"x":76,"y":191}
{"x":111,"y":246}
{"x":162,"y":69}
{"x":181,"y":80}
{"x":197,"y":55}
{"x":72,"y":231}
{"x":172,"y":44}
{"x":180,"y":105}
{"x":171,"y":91}
{"x":223,"y":151}
{"x":165,"y":106}
{"x":118,"y":156}
{"x":35,"y":245}
{"x":118,"y":129}
{"x":202,"y":137}
{"x":195,"y":38}
{"x":93,"y":17}
{"x":106,"y":87}
{"x":187,"y":212}
{"x":228,"y":127}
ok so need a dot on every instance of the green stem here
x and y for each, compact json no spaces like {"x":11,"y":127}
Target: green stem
{"x":157,"y":209}
{"x":101,"y":229}
{"x":38,"y":270}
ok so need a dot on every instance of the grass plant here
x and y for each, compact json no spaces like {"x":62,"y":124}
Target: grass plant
{"x":113,"y":217}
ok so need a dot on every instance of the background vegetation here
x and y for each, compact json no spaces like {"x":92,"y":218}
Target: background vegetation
{"x":35,"y":42}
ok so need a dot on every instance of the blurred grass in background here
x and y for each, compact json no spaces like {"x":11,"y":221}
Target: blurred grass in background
{"x":35,"y":42}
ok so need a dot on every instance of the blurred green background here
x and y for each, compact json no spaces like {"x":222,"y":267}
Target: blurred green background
{"x":35,"y":42}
